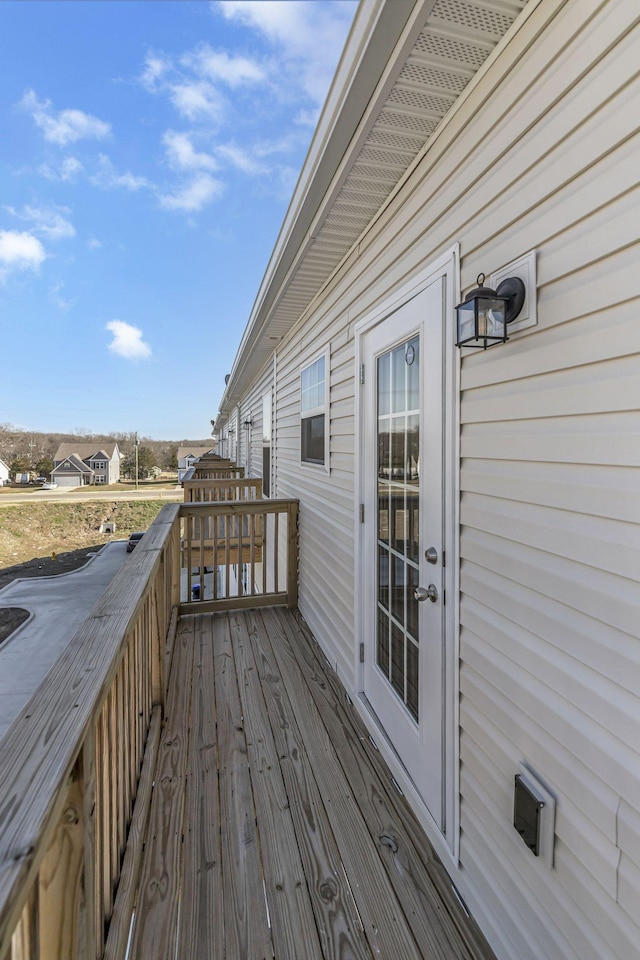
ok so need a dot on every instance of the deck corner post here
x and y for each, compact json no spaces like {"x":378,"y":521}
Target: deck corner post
{"x":292,"y":557}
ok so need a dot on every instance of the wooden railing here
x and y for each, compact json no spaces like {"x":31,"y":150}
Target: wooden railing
{"x":231,"y":472}
{"x":78,"y":762}
{"x":222,"y":471}
{"x":239,"y":554}
{"x":207,"y":491}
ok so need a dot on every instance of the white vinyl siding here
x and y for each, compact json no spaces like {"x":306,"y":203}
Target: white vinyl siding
{"x":251,"y":407}
{"x":542,"y":155}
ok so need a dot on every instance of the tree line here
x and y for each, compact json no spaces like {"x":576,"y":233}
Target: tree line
{"x":33,"y":452}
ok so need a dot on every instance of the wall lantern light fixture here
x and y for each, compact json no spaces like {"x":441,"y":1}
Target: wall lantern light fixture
{"x":483,"y":316}
{"x":248,"y":423}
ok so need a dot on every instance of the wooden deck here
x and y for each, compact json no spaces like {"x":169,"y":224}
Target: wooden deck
{"x":275,"y":830}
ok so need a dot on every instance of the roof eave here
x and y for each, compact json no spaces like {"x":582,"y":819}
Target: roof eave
{"x":373,"y":36}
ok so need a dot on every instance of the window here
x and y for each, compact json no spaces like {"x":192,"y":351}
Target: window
{"x":313,"y":406}
{"x":266,"y":445}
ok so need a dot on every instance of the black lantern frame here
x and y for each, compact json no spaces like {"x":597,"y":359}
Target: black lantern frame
{"x":484,"y":314}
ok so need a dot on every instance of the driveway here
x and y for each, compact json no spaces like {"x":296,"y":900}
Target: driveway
{"x":57,"y":605}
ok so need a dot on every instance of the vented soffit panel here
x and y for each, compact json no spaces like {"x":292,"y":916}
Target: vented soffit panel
{"x":449,"y":45}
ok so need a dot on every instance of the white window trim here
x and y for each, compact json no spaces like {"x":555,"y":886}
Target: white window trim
{"x":325,"y":409}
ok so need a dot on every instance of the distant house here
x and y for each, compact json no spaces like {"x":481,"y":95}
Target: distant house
{"x":187,"y":457}
{"x":78,"y":464}
{"x":4,"y":473}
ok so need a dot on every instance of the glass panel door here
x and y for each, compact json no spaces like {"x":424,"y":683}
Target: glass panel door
{"x":398,"y":464}
{"x":402,"y":465}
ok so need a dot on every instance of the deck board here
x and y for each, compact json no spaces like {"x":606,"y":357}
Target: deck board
{"x":157,"y":908}
{"x":290,"y":911}
{"x":201,"y":929}
{"x":284,"y":838}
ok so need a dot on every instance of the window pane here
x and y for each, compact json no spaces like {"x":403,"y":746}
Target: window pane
{"x":384,"y":384}
{"x":312,"y":382}
{"x":312,"y":439}
{"x":383,"y":577}
{"x":382,"y":654}
{"x":398,"y":368}
{"x":266,"y":471}
{"x":397,"y":660}
{"x":412,"y":679}
{"x":412,"y":360}
{"x":266,"y":418}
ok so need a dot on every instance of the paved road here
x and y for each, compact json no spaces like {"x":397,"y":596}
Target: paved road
{"x":59,"y":605}
{"x":78,"y":494}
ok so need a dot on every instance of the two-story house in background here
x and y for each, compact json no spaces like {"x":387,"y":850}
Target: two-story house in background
{"x":78,"y":464}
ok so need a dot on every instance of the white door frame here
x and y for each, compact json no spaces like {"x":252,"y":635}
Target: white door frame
{"x":448,"y":266}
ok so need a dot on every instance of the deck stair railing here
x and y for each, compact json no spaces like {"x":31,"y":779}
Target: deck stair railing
{"x":77,"y":763}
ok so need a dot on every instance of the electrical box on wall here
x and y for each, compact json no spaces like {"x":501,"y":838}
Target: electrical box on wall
{"x":534,"y":813}
{"x":524,"y":268}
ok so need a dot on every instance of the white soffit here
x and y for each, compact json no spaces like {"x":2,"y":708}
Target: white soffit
{"x":452,"y":45}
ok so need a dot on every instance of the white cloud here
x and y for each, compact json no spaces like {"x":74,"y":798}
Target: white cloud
{"x":19,"y":251}
{"x":107,"y":177}
{"x":68,"y":171}
{"x":182,"y":154}
{"x":194,"y":195}
{"x":66,"y":126}
{"x":47,"y":222}
{"x":156,"y":67}
{"x":242,"y":159}
{"x":219,"y":65}
{"x":55,"y":297}
{"x":127,"y":341}
{"x":93,"y":243}
{"x":308,"y":34}
{"x":197,"y":100}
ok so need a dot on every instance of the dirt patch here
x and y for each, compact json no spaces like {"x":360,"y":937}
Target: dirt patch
{"x":43,"y":529}
{"x":10,"y":619}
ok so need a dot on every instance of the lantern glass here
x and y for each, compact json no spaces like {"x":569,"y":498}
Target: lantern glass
{"x":481,"y":321}
{"x":495,"y":313}
{"x":466,"y":321}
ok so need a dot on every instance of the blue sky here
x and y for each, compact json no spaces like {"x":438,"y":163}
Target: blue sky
{"x":148,"y":152}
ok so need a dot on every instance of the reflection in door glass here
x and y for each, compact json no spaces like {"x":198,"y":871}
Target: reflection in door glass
{"x":398,"y":445}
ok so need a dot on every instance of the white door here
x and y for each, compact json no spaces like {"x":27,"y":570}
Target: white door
{"x":404,"y":536}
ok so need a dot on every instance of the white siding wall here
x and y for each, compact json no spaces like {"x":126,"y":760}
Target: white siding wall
{"x":543,"y":155}
{"x":251,"y":409}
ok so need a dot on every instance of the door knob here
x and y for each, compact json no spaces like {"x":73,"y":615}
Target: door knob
{"x":426,"y":593}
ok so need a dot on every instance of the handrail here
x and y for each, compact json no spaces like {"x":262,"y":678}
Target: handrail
{"x":204,"y":491}
{"x":71,"y":760}
{"x":218,"y":472}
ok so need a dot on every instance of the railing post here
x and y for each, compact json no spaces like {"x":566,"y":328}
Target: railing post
{"x":292,"y":557}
